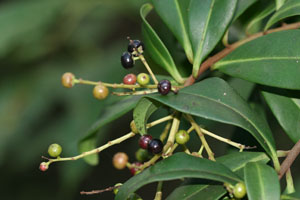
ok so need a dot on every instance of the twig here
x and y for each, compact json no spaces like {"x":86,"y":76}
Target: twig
{"x":143,"y":92}
{"x":212,"y":60}
{"x":99,"y":191}
{"x":158,"y":194}
{"x":286,"y":164}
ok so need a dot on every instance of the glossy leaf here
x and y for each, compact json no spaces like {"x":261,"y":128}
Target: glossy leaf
{"x":234,"y":161}
{"x":208,"y":21}
{"x":279,"y":3}
{"x":287,"y":112}
{"x":174,"y":14}
{"x":142,"y":112}
{"x":109,"y":114}
{"x":290,"y":197}
{"x":257,"y":20}
{"x":291,"y":8}
{"x":261,"y":61}
{"x":261,"y":182}
{"x":156,"y":48}
{"x":179,"y":165}
{"x":241,"y":7}
{"x":214,"y":99}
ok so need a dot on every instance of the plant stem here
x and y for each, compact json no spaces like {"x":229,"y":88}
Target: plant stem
{"x":158,"y":194}
{"x":201,"y":150}
{"x":143,"y":92}
{"x":161,"y":120}
{"x":201,"y":136}
{"x":165,"y":132}
{"x":173,"y":131}
{"x":94,"y":151}
{"x":286,"y":164}
{"x":289,"y":182}
{"x":186,"y":150}
{"x":148,"y":68}
{"x":212,"y":60}
{"x":150,"y":162}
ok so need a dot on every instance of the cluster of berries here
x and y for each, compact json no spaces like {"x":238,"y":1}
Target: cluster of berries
{"x":134,"y":49}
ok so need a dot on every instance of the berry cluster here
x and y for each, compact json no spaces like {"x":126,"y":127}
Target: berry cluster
{"x":134,"y":49}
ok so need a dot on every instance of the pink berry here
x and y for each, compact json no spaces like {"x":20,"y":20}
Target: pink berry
{"x":43,"y":166}
{"x":134,"y":170}
{"x":129,"y":79}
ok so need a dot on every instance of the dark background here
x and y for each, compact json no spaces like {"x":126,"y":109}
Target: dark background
{"x":39,"y":41}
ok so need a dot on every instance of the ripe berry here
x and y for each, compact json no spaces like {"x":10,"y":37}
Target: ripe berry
{"x":239,"y":190}
{"x":54,"y":150}
{"x":127,"y":60}
{"x":155,"y":146}
{"x":120,"y":160}
{"x":43,"y":166}
{"x":182,"y":137}
{"x":136,"y":44}
{"x":67,"y":80}
{"x":144,"y":141}
{"x":133,"y":127}
{"x":142,"y":155}
{"x":129,"y":79}
{"x":100,"y":92}
{"x":164,"y":87}
{"x":135,"y":170}
{"x":143,"y":79}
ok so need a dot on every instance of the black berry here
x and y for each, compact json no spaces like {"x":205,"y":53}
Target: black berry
{"x":136,"y":45}
{"x":155,"y":146}
{"x":144,"y":141}
{"x":127,"y":60}
{"x":164,"y":87}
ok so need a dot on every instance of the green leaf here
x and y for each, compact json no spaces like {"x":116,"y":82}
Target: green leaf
{"x":234,"y":161}
{"x":292,"y":196}
{"x":156,"y":48}
{"x":291,"y":8}
{"x":109,"y":114}
{"x":142,"y":112}
{"x":179,"y":165}
{"x":174,"y":14}
{"x":257,"y":20}
{"x":279,"y":4}
{"x":261,"y":182}
{"x":287,"y":112}
{"x":261,"y":61}
{"x":214,"y":99}
{"x":208,"y":20}
{"x":241,"y":7}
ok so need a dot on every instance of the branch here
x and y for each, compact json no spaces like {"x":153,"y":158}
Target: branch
{"x":286,"y":164}
{"x":212,"y":60}
{"x":99,"y":191}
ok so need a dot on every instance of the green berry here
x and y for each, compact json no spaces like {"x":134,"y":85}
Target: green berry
{"x":143,"y":79}
{"x":117,"y":186}
{"x":142,"y":155}
{"x":239,"y":190}
{"x":133,"y":127}
{"x":54,"y":150}
{"x":182,"y":137}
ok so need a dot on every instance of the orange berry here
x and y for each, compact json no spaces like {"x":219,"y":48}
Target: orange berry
{"x":100,"y":92}
{"x":67,"y":80}
{"x":120,"y":160}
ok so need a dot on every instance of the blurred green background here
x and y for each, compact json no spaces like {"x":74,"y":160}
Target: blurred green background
{"x":39,"y":41}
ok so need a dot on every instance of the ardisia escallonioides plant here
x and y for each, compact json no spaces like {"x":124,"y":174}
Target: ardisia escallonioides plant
{"x":268,"y":61}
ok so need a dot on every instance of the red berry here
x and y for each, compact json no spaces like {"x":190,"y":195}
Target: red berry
{"x":43,"y":166}
{"x":144,"y":141}
{"x":120,"y":160}
{"x":164,"y":87}
{"x":129,"y":79}
{"x":134,"y":170}
{"x":155,"y":146}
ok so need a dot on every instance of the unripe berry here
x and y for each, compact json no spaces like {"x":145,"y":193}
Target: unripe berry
{"x":164,"y":87}
{"x":120,"y":160}
{"x":133,"y":127}
{"x":182,"y":137}
{"x":127,"y":60}
{"x":54,"y":150}
{"x":155,"y":146}
{"x":143,"y":79}
{"x":100,"y":92}
{"x":43,"y":166}
{"x":144,"y":141}
{"x":142,"y":155}
{"x":129,"y":79}
{"x":239,"y":190}
{"x":67,"y":79}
